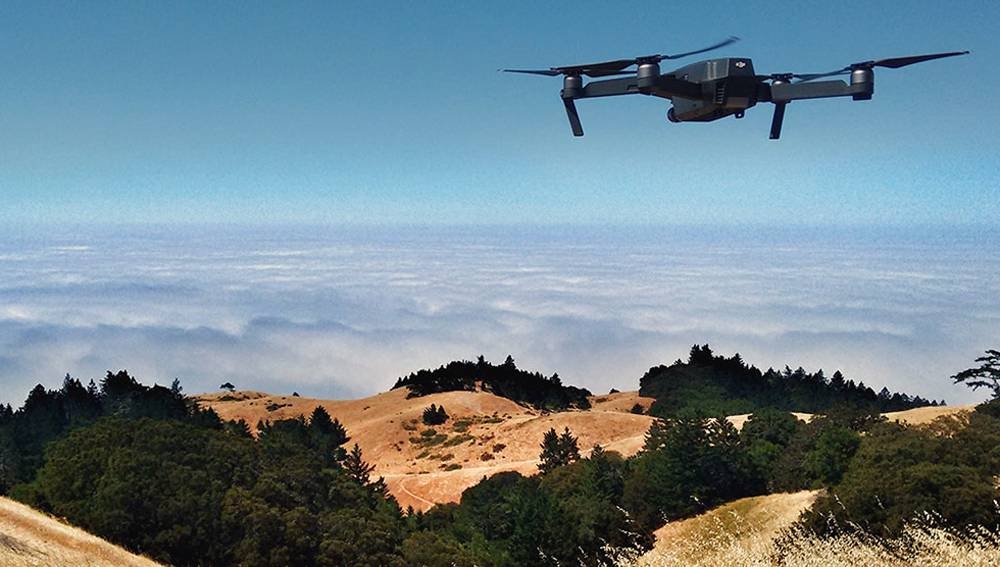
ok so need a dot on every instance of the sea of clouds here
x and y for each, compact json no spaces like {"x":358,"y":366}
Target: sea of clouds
{"x":342,"y":312}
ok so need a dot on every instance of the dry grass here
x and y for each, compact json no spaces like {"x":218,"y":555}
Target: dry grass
{"x":31,"y":539}
{"x":388,"y":429}
{"x":384,"y":424}
{"x":743,"y":534}
{"x":921,"y":416}
{"x":763,"y":516}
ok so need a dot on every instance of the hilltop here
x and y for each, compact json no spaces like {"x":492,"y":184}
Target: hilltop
{"x":485,"y":433}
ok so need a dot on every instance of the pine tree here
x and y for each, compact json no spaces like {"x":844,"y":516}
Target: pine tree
{"x":434,"y":415}
{"x":986,"y":376}
{"x":357,"y":468}
{"x":558,"y":450}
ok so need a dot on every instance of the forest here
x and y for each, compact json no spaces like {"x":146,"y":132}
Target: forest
{"x":715,"y":385}
{"x":146,"y":468}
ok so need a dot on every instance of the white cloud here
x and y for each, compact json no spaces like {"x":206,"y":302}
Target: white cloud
{"x":339,"y":314}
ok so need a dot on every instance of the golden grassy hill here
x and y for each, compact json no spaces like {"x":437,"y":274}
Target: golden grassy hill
{"x":921,"y":416}
{"x":753,"y":522}
{"x":30,"y":538}
{"x":747,"y":532}
{"x":485,"y":434}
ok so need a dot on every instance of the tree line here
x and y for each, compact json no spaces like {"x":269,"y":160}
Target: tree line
{"x":505,"y":380}
{"x":716,"y":385}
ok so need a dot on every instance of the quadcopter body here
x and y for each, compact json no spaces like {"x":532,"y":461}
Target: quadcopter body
{"x":715,"y":88}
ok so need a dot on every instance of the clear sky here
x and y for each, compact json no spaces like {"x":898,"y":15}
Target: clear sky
{"x":370,"y":112}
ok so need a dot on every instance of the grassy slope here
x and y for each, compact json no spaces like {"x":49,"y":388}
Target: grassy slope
{"x":747,"y":519}
{"x":384,"y":424}
{"x":500,"y":436}
{"x":30,"y":538}
{"x":745,"y":533}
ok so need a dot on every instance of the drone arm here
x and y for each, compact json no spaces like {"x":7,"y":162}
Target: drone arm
{"x":667,"y":86}
{"x":610,"y":87}
{"x":786,"y":92}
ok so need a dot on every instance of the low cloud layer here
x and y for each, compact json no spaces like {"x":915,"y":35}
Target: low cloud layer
{"x":342,"y":313}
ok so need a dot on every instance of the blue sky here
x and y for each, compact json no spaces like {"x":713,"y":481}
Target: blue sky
{"x":387,"y":113}
{"x":189,"y":120}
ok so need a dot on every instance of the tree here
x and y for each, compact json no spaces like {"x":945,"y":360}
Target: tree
{"x":834,"y":449}
{"x":228,"y":386}
{"x":987,"y":375}
{"x":327,"y":436}
{"x":558,"y":450}
{"x":434,"y":415}
{"x":357,"y":468}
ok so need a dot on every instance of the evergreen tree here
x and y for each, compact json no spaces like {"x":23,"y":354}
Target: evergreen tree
{"x":987,"y":375}
{"x":434,"y":415}
{"x":357,"y":468}
{"x":558,"y":450}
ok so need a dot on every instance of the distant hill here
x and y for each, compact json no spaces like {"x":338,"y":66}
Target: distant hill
{"x":716,"y":385}
{"x":484,"y":435}
{"x":505,"y":380}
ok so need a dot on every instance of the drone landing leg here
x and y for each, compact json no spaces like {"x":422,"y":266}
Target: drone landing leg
{"x":777,"y":120}
{"x":574,"y":118}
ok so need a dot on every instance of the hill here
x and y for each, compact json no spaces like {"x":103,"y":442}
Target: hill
{"x":715,"y":385}
{"x":485,"y":433}
{"x":754,"y":531}
{"x":748,"y":523}
{"x":30,"y":538}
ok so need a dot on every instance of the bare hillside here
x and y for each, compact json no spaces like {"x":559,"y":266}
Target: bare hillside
{"x":485,"y":434}
{"x":30,"y":538}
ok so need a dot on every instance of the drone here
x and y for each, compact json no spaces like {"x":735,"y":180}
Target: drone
{"x":715,"y":88}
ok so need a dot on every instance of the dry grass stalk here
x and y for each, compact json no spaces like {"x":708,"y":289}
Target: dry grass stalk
{"x":31,"y":539}
{"x":923,"y":543}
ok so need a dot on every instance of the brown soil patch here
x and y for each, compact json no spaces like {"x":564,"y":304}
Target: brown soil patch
{"x":30,"y":538}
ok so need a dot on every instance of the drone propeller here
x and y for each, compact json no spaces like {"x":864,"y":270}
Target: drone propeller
{"x":616,"y":67}
{"x":890,"y":63}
